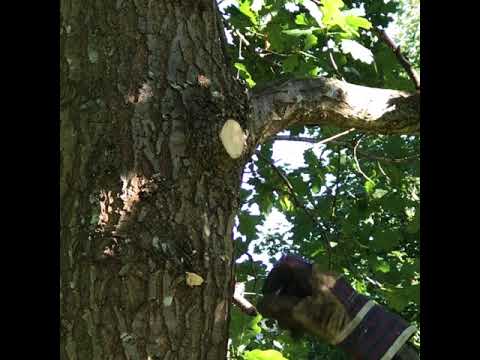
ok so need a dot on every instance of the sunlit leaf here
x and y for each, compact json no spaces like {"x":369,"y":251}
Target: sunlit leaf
{"x":369,"y":186}
{"x":300,"y":19}
{"x":258,"y":354}
{"x":245,"y":74}
{"x":357,"y":22}
{"x":246,"y":9}
{"x":286,"y":203}
{"x":382,"y":266}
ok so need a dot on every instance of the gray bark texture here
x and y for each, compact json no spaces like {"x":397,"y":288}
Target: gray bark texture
{"x":148,"y":193}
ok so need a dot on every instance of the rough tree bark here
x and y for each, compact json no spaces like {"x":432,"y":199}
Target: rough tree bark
{"x":148,"y":193}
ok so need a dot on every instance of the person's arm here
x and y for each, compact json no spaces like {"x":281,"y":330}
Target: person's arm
{"x":304,"y":299}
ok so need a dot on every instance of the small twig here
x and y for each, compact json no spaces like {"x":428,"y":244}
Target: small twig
{"x":239,"y":56}
{"x":284,"y":178}
{"x":294,"y":138}
{"x":297,"y":201}
{"x":383,"y":171}
{"x":387,"y":160}
{"x":334,"y":65}
{"x":400,"y":57}
{"x":336,"y":136}
{"x":310,"y":140}
{"x":356,"y":160}
{"x":240,"y":35}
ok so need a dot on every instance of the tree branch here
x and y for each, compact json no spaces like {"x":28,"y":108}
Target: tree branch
{"x":333,"y":102}
{"x":295,"y":138}
{"x":243,"y":304}
{"x":401,"y":58}
{"x":358,"y":163}
{"x":318,"y":142}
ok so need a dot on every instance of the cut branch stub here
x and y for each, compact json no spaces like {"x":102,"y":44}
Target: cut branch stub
{"x":233,"y":138}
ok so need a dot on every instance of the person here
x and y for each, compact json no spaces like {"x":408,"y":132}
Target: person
{"x":306,"y":299}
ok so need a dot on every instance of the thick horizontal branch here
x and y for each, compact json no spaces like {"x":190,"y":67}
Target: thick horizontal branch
{"x":335,"y":103}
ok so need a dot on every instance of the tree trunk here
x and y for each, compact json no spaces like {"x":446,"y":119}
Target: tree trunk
{"x":148,"y":193}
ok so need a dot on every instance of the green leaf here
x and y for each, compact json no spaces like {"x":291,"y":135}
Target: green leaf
{"x":386,"y":239}
{"x":265,"y":203}
{"x":247,"y":225}
{"x":245,"y":8}
{"x":340,"y":59}
{"x":290,"y":63}
{"x":316,"y":188}
{"x":332,"y":4}
{"x":258,"y":354}
{"x":241,"y":67}
{"x":253,"y":326}
{"x":382,"y":266}
{"x":357,"y":22}
{"x":332,"y":15}
{"x":286,"y":204}
{"x":379,"y":193}
{"x":394,"y":174}
{"x":250,"y":82}
{"x":347,"y":227}
{"x":302,"y":226}
{"x":241,"y":247}
{"x":244,"y":194}
{"x":245,"y":74}
{"x":310,"y":41}
{"x":275,"y":37}
{"x":369,"y":186}
{"x":306,"y":68}
{"x":396,"y":299}
{"x":412,"y":292}
{"x":393,"y":203}
{"x":300,"y":19}
{"x":359,"y":286}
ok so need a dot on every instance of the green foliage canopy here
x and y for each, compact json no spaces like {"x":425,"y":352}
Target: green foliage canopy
{"x":351,"y":203}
